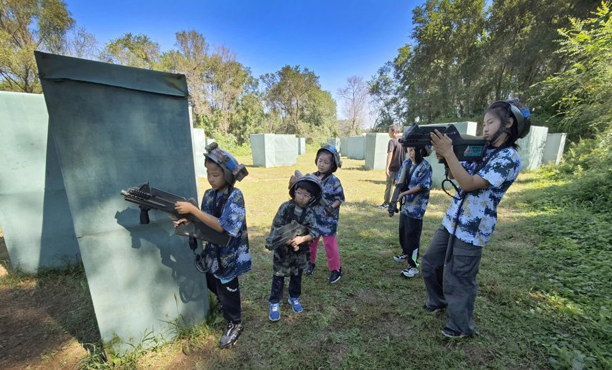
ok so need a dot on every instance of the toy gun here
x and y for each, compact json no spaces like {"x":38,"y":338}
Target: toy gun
{"x":149,"y":198}
{"x":466,"y":147}
{"x":280,"y":235}
{"x":400,"y":186}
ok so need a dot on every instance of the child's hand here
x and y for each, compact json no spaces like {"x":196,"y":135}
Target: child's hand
{"x":184,"y":207}
{"x":442,"y":144}
{"x":181,"y":221}
{"x":295,"y":242}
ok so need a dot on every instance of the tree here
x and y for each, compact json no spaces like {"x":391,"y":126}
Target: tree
{"x":583,"y":91}
{"x":355,"y":96}
{"x":26,"y":26}
{"x":135,"y":51}
{"x":288,"y":91}
{"x":383,"y":89}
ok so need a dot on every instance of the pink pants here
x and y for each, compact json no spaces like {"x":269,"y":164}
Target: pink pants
{"x":331,"y":250}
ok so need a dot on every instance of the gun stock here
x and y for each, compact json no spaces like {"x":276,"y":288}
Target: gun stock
{"x":148,"y":198}
{"x":279,"y":236}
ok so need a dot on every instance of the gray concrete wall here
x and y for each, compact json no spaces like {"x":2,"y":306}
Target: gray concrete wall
{"x":376,"y":151}
{"x":553,"y":150}
{"x":531,"y":147}
{"x":271,"y":150}
{"x":34,"y":214}
{"x":354,"y":147}
{"x":116,"y":127}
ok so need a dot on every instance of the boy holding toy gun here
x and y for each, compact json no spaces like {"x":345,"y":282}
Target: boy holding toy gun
{"x":413,"y":188}
{"x":294,"y":226}
{"x":223,"y":210}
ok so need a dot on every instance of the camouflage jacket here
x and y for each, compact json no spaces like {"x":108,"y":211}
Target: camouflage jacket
{"x":287,"y":261}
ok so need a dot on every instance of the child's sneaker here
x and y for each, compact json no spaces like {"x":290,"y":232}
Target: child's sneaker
{"x":410,"y":272}
{"x":310,"y":269}
{"x":295,"y":304}
{"x":231,"y":335}
{"x":400,"y":258}
{"x":450,"y":333}
{"x":335,"y":276}
{"x":274,"y":312}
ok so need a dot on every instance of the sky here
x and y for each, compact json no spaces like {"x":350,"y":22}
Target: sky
{"x":333,"y":39}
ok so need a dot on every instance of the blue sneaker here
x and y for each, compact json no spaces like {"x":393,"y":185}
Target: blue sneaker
{"x":274,"y":312}
{"x":295,"y":304}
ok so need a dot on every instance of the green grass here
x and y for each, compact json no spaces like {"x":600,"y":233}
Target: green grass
{"x":544,"y":291}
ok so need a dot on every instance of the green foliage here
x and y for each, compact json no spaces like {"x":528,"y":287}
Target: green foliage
{"x":583,"y":91}
{"x":26,"y":26}
{"x":135,"y":51}
{"x":296,"y":94}
{"x":464,"y":55}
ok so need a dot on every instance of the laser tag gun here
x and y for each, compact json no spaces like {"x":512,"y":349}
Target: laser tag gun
{"x":400,"y":186}
{"x":149,"y":198}
{"x":466,"y":147}
{"x":280,"y":235}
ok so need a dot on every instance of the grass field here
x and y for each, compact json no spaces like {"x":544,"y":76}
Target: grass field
{"x":544,"y":293}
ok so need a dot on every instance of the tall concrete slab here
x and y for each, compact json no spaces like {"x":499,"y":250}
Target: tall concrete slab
{"x":301,"y":145}
{"x":34,"y":214}
{"x":531,"y":147}
{"x":116,"y":127}
{"x":376,"y":151}
{"x":355,"y":147}
{"x":271,"y":150}
{"x":553,"y":150}
{"x":336,"y":143}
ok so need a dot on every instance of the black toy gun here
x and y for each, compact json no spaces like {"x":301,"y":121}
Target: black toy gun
{"x":466,"y":147}
{"x":400,"y":186}
{"x":280,"y":235}
{"x":149,"y":198}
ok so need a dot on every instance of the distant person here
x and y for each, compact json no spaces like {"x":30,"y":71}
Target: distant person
{"x":416,"y":175}
{"x":396,"y":154}
{"x":451,"y":262}
{"x":223,"y":210}
{"x":328,"y":211}
{"x":293,"y":257}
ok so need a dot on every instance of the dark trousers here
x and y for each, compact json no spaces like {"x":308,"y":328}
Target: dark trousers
{"x":278,"y":285}
{"x":228,"y":296}
{"x":449,"y":272}
{"x":410,"y":237}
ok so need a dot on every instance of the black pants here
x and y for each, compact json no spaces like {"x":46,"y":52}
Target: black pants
{"x":410,"y":237}
{"x":228,"y":296}
{"x":278,"y":285}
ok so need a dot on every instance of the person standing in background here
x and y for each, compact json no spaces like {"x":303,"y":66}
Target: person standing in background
{"x":395,"y":158}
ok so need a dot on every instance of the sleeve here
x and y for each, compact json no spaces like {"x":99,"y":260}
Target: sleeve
{"x":390,"y":146}
{"x":310,"y":222}
{"x":424,"y":176}
{"x":338,"y":191}
{"x":233,"y":215}
{"x":279,"y":219}
{"x":501,"y":168}
{"x":207,"y":202}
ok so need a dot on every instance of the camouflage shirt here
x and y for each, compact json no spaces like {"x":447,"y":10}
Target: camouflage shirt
{"x":287,"y":261}
{"x":235,"y":258}
{"x":416,"y":204}
{"x":332,"y":191}
{"x":478,"y":214}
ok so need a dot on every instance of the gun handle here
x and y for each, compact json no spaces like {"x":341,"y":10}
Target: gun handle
{"x":144,"y":215}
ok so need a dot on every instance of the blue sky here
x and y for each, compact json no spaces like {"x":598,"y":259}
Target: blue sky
{"x":334,"y":39}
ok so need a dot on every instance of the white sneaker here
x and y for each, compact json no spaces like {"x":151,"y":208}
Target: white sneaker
{"x":400,"y":258}
{"x":410,"y":272}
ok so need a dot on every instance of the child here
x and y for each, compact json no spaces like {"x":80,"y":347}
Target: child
{"x":223,"y":210}
{"x":451,"y":262}
{"x":417,"y":172}
{"x":328,"y":212}
{"x":291,"y":258}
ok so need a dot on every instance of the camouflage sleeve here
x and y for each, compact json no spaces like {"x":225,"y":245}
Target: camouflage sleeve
{"x":424,"y":176}
{"x":233,"y":214}
{"x":310,"y":222}
{"x":501,"y":168}
{"x":279,"y":219}
{"x":338,"y":191}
